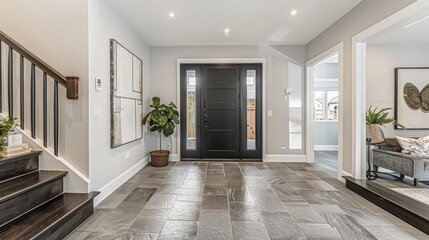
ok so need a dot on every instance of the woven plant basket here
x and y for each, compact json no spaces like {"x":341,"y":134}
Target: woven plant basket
{"x":159,"y":158}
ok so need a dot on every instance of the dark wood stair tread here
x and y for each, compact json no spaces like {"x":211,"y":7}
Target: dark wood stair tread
{"x":7,"y":160}
{"x":16,"y":186}
{"x":34,"y":223}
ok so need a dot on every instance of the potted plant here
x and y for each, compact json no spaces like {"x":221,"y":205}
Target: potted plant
{"x":379,"y":118}
{"x":6,"y":124}
{"x":162,"y":119}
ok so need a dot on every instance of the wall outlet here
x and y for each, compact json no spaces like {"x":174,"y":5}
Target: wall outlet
{"x":97,"y":112}
{"x":283,"y":146}
{"x":127,"y":154}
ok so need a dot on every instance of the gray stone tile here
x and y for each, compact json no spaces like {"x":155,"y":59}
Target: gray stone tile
{"x":301,"y":185}
{"x":281,"y":226}
{"x":249,"y":231}
{"x":215,"y":202}
{"x":105,"y":235}
{"x":161,"y":214}
{"x":305,"y":214}
{"x":236,"y":195}
{"x":388,"y":232}
{"x":112,"y":201}
{"x":191,"y":195}
{"x":321,"y":185}
{"x":146,"y":225}
{"x":173,"y":230}
{"x":244,"y":212}
{"x":269,"y":203}
{"x":140,"y":236}
{"x":185,"y":211}
{"x":287,"y":199}
{"x":215,"y":190}
{"x":214,"y":225}
{"x":215,"y":179}
{"x":161,"y":201}
{"x":169,"y":188}
{"x":193,"y":184}
{"x":348,"y":227}
{"x":232,"y":184}
{"x":258,"y":190}
{"x":319,"y":231}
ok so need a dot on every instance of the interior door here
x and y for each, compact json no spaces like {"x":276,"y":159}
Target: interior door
{"x":221,"y":112}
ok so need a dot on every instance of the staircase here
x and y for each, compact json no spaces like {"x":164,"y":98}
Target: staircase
{"x":32,"y":202}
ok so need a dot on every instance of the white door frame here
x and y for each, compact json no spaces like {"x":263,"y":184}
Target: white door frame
{"x":403,"y":17}
{"x":337,"y":49}
{"x":220,"y":61}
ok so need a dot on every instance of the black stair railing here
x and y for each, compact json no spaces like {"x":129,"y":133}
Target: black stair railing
{"x":70,"y":83}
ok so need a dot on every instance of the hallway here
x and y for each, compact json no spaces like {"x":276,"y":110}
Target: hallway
{"x":200,"y":200}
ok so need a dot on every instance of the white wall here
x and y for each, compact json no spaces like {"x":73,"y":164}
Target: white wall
{"x":108,"y":164}
{"x":380,"y":65}
{"x":57,"y":32}
{"x":163,"y":81}
{"x":364,"y":15}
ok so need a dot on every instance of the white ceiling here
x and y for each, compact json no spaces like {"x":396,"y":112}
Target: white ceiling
{"x":252,"y":22}
{"x":414,"y":31}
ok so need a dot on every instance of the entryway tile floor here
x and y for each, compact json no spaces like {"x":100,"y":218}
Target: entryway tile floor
{"x":229,"y":200}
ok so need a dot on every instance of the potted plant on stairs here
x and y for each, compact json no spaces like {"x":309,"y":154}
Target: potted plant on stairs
{"x":162,"y":119}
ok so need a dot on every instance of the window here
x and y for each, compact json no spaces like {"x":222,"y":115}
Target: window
{"x":326,"y":105}
{"x":190,"y":101}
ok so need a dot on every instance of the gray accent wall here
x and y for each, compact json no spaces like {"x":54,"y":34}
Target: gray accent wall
{"x":364,"y":15}
{"x":107,"y":164}
{"x":163,"y":81}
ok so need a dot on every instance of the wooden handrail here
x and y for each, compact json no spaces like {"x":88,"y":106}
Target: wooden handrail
{"x":70,"y":83}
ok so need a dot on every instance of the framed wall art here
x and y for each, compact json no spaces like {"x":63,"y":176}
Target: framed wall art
{"x":412,"y":97}
{"x":126,"y":94}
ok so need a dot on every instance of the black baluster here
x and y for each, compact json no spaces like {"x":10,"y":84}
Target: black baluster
{"x":10,"y":82}
{"x":45,"y":110}
{"x":33,"y":100}
{"x":21,"y":91}
{"x":56,"y":118}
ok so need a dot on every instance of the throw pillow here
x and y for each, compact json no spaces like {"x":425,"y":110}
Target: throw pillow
{"x":415,"y":146}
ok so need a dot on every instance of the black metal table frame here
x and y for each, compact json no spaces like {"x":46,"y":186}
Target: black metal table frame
{"x":372,"y":174}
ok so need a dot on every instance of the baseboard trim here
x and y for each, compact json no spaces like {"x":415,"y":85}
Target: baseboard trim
{"x":111,"y":186}
{"x":284,"y":158}
{"x":174,"y":157}
{"x":346,"y":174}
{"x":325,"y":147}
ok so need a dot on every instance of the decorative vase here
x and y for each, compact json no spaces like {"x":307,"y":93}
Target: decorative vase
{"x":159,"y":158}
{"x":377,"y":135}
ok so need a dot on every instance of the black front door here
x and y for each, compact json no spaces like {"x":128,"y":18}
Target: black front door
{"x":221,"y":111}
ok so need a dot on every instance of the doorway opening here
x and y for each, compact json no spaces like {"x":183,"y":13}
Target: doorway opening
{"x":221,"y":106}
{"x":324,"y":111}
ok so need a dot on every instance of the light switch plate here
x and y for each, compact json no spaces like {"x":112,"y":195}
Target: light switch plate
{"x":98,"y":84}
{"x":97,"y":111}
{"x":269,"y":113}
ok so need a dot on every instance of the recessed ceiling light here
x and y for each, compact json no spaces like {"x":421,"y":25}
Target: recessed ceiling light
{"x":227,"y":31}
{"x":294,"y":12}
{"x":171,"y":14}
